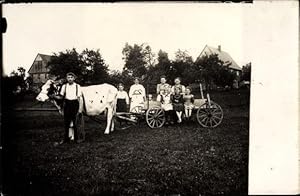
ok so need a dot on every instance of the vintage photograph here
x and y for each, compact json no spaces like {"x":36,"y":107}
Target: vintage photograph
{"x":125,"y":99}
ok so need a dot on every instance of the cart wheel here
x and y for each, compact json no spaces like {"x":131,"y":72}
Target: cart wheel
{"x":155,"y":117}
{"x":210,"y":116}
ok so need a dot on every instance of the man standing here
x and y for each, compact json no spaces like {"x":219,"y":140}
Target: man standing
{"x":137,"y":94}
{"x":71,"y":93}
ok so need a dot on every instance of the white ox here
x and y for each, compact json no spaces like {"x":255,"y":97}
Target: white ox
{"x":96,"y":99}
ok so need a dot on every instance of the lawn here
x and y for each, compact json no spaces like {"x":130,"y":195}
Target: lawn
{"x":181,"y":159}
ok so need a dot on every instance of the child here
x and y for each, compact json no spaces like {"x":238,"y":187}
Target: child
{"x":165,"y":99}
{"x":177,"y":100}
{"x":161,"y":87}
{"x":188,"y":102}
{"x":122,"y":99}
{"x":72,"y":94}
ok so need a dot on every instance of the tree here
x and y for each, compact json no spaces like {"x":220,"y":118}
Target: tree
{"x":64,"y":62}
{"x":182,"y":67}
{"x":17,"y":78}
{"x":183,"y":56}
{"x":134,"y":60}
{"x":246,"y":72}
{"x":89,"y":66}
{"x":14,"y":86}
{"x":163,"y":60}
{"x":213,"y":71}
{"x":94,"y":67}
{"x":138,"y":59}
{"x":21,"y":71}
{"x":161,"y":68}
{"x":149,"y":56}
{"x":117,"y":77}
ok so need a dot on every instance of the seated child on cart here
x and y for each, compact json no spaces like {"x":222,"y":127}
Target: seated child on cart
{"x":161,"y":87}
{"x":122,"y":99}
{"x":188,"y":102}
{"x":166,"y":104}
{"x":177,"y":100}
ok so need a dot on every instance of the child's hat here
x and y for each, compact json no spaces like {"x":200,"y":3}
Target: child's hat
{"x":71,"y":74}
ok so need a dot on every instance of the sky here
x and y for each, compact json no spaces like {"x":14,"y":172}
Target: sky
{"x":50,"y":28}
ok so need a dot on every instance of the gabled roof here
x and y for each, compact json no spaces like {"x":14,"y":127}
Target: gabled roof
{"x":45,"y":58}
{"x":223,"y":56}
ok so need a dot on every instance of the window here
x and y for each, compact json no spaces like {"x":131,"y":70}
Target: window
{"x":39,"y":66}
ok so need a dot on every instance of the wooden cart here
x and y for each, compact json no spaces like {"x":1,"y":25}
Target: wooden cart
{"x":208,"y":113}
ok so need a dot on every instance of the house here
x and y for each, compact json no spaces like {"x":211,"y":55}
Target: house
{"x":38,"y":70}
{"x":223,"y":56}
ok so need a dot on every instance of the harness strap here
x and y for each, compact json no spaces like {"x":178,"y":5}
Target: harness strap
{"x":65,"y":91}
{"x":76,"y":90}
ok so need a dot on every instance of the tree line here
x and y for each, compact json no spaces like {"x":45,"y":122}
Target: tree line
{"x":139,"y":61}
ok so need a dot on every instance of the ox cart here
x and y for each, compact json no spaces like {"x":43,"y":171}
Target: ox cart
{"x":208,"y":114}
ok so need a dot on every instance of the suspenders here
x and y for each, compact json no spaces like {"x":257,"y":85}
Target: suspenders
{"x":66,"y":90}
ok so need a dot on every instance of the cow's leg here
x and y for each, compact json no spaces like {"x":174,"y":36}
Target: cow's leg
{"x":112,"y":124}
{"x":113,"y":117}
{"x":109,"y":119}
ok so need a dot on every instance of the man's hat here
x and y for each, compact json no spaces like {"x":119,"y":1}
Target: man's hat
{"x":71,"y":74}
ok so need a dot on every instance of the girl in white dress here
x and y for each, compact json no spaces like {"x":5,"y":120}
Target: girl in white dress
{"x":188,"y":102}
{"x":166,"y":104}
{"x":137,"y":94}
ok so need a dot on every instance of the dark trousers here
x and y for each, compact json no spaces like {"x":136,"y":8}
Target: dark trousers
{"x":170,"y":116}
{"x":70,"y":111}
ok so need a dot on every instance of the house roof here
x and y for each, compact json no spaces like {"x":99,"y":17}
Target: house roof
{"x":45,"y":58}
{"x":223,"y":56}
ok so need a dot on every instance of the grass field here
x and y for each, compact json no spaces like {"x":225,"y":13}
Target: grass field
{"x":181,"y":159}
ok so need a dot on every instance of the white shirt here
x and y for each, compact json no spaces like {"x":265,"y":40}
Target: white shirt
{"x":123,"y":95}
{"x":137,"y":90}
{"x":137,"y":94}
{"x":70,"y":93}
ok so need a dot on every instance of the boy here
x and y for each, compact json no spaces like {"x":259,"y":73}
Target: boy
{"x":71,"y":93}
{"x":177,"y":100}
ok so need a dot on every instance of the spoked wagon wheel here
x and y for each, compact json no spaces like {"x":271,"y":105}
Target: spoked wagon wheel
{"x":210,"y":116}
{"x":155,"y":117}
